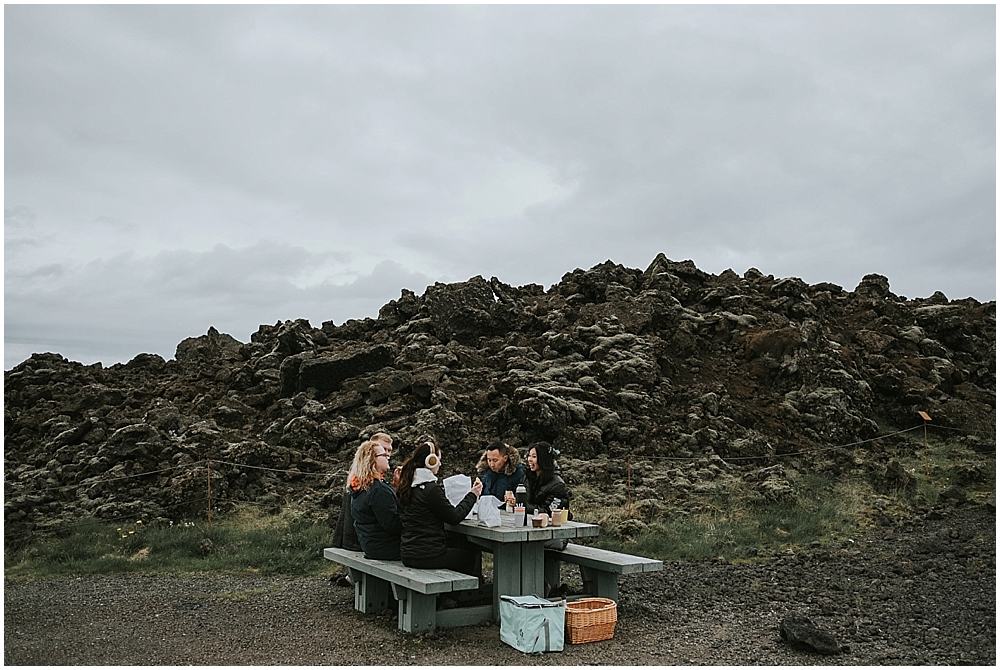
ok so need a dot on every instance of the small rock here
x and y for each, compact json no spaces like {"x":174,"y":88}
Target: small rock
{"x":955,"y":494}
{"x":800,"y":632}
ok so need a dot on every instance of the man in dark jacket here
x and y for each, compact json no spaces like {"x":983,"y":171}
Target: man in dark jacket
{"x":500,"y":470}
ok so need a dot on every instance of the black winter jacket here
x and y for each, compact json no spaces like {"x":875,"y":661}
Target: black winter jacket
{"x":540,"y":496}
{"x":343,"y":533}
{"x":424,"y":518}
{"x":376,"y":521}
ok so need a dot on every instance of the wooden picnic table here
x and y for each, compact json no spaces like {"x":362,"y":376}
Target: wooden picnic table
{"x":518,"y":552}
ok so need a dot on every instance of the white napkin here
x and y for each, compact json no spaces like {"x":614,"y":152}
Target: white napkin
{"x":455,"y":488}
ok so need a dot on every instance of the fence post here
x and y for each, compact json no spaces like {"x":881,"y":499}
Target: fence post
{"x":208,"y":464}
{"x":628,"y":469}
{"x":927,"y":465}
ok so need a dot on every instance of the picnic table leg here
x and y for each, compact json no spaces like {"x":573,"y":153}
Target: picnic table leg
{"x":506,"y":574}
{"x":533,"y":568}
{"x":417,"y":611}
{"x":371,"y":594}
{"x":600,"y":583}
{"x":551,"y":570}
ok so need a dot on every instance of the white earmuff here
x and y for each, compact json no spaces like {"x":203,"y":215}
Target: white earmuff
{"x":431,"y":460}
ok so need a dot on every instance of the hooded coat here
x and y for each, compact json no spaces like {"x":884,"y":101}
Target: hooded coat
{"x":426,"y":514}
{"x":497,"y":483}
{"x":542,"y":494}
{"x":376,"y":520}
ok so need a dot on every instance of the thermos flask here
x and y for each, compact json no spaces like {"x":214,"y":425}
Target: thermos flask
{"x":521,"y":494}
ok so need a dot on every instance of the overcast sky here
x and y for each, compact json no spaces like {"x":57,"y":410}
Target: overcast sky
{"x":170,"y":168}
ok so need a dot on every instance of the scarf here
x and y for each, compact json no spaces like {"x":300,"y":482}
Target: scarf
{"x":422,"y":476}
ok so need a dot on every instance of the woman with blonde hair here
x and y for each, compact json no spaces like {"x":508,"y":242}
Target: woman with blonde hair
{"x":344,"y":536}
{"x":373,"y":503}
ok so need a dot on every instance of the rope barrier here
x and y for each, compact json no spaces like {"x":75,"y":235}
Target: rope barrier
{"x":106,"y":480}
{"x":963,"y":430}
{"x":298,"y":472}
{"x":91,"y":481}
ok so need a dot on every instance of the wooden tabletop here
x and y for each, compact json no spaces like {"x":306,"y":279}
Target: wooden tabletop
{"x":508,"y":532}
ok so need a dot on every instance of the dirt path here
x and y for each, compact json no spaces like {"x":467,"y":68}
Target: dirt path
{"x":918,"y":595}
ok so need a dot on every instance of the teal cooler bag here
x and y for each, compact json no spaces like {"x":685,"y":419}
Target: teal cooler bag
{"x":532,"y":624}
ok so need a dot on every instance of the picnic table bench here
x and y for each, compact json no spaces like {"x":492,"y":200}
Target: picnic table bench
{"x":599,"y":568}
{"x":416,"y":591}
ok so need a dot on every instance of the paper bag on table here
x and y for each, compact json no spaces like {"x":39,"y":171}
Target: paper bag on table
{"x":455,"y":488}
{"x":489,"y":512}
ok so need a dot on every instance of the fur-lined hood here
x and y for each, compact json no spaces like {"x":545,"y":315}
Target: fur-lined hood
{"x":513,"y":458}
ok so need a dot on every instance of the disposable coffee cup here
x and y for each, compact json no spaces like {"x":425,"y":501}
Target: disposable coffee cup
{"x":519,"y":515}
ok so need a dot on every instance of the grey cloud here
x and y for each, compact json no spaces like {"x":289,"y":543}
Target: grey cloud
{"x":50,"y":270}
{"x":14,"y":245}
{"x":387,"y":279}
{"x":179,"y":294}
{"x":518,"y":141}
{"x":115,"y":224}
{"x":18,"y":218}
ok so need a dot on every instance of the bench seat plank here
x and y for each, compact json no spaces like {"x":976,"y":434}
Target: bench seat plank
{"x":415,"y":591}
{"x":599,"y":568}
{"x":608,"y":561}
{"x":419,"y":580}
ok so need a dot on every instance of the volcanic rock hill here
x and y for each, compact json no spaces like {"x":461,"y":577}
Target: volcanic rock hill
{"x":672,"y":377}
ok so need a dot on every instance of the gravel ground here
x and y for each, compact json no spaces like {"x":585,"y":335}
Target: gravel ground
{"x":919,"y":594}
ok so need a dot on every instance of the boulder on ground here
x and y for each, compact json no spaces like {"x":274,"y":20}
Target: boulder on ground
{"x":800,"y":632}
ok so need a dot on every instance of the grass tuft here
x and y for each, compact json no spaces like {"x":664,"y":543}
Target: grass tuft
{"x":246,"y":542}
{"x":740,"y":523}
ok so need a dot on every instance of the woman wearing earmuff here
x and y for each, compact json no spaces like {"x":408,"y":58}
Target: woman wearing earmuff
{"x":424,"y":509}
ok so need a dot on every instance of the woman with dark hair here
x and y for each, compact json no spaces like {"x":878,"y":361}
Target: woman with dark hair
{"x":544,"y":485}
{"x":424,"y":509}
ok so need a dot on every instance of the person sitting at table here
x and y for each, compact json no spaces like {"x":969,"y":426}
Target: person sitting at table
{"x":373,"y":503}
{"x":425,"y":509}
{"x":544,"y":486}
{"x":500,"y":469}
{"x":343,"y":533}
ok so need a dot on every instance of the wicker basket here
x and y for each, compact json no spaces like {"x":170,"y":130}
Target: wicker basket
{"x":590,"y":620}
